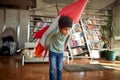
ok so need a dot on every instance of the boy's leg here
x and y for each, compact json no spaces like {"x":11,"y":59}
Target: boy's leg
{"x":52,"y":57}
{"x":59,"y":66}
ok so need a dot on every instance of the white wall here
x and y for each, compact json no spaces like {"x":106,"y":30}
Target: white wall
{"x":116,"y":27}
{"x":116,"y":20}
{"x":24,"y":23}
{"x":17,"y":19}
{"x":1,"y":24}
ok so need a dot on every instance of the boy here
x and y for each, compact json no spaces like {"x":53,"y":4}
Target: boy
{"x":57,"y":46}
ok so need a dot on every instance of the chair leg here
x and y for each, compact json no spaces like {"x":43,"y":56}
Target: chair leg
{"x":66,"y":54}
{"x":71,"y":56}
{"x":23,"y":60}
{"x":91,"y":60}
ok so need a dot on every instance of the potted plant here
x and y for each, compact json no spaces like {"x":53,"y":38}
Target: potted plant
{"x":107,"y":36}
{"x":107,"y":33}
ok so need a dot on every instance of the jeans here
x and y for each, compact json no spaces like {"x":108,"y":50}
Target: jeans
{"x":56,"y":65}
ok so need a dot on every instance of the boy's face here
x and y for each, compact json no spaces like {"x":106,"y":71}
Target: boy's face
{"x":65,"y":31}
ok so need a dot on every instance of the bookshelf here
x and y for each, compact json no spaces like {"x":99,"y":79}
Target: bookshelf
{"x":77,"y":42}
{"x":38,"y":22}
{"x":87,"y":36}
{"x":93,"y":26}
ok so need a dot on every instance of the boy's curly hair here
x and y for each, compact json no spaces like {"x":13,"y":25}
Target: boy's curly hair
{"x":65,"y":21}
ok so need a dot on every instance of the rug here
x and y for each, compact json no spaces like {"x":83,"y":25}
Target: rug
{"x":84,"y":67}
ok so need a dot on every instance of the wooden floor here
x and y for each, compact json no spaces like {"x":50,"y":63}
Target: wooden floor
{"x":11,"y":69}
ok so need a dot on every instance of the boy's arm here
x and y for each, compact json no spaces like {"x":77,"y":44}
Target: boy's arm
{"x":48,"y":38}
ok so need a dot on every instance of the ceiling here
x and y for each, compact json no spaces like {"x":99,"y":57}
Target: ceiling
{"x":17,"y":4}
{"x":52,"y":7}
